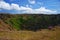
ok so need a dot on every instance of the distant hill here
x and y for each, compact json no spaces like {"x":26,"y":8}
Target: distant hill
{"x":27,"y":21}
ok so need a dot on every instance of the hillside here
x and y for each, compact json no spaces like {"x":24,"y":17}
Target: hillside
{"x":30,"y":35}
{"x":27,"y":21}
{"x":29,"y":27}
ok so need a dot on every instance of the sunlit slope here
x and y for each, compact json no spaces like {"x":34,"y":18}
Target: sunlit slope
{"x":45,"y":34}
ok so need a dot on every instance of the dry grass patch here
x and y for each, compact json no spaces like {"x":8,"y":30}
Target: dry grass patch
{"x":30,"y":35}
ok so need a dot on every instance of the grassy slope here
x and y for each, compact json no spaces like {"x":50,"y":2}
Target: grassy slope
{"x":30,"y":35}
{"x":15,"y":22}
{"x":26,"y":35}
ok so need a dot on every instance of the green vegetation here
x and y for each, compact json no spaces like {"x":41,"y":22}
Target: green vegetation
{"x":30,"y":21}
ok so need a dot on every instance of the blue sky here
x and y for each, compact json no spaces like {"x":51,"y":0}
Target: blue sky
{"x":30,"y":6}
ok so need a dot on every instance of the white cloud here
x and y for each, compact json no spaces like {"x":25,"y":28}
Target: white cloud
{"x":27,"y":9}
{"x":15,"y":6}
{"x":7,"y":6}
{"x":4,"y":5}
{"x":44,"y":10}
{"x":32,"y":1}
{"x":39,"y":10}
